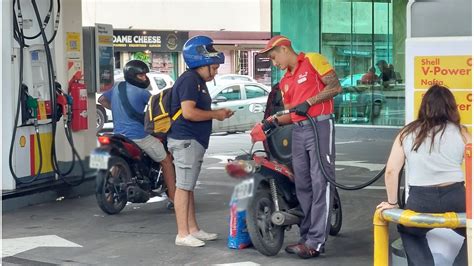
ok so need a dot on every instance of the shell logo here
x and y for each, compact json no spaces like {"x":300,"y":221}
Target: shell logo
{"x":22,"y":141}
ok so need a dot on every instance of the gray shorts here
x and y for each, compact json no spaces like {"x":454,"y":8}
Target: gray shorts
{"x":188,"y":156}
{"x":153,"y":147}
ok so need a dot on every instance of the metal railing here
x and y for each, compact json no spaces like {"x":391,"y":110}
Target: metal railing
{"x":411,"y":219}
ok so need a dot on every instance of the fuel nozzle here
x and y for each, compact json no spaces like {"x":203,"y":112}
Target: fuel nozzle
{"x":32,"y":105}
{"x":61,"y":102}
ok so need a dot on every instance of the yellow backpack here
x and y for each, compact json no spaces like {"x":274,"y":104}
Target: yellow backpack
{"x":157,"y":115}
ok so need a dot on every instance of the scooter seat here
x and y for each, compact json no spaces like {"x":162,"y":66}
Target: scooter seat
{"x":133,"y":148}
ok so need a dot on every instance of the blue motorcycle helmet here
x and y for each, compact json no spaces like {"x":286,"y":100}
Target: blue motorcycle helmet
{"x":199,"y":51}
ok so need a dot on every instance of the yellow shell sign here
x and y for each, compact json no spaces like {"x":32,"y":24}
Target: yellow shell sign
{"x":463,"y":102}
{"x":454,"y":72}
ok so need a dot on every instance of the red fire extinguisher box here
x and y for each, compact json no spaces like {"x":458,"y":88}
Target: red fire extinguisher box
{"x":78,"y":92}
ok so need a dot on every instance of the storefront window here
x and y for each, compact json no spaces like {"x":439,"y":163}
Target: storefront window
{"x":159,"y":49}
{"x":366,"y":47}
{"x":243,"y":62}
{"x":117,"y":60}
{"x":165,"y":63}
{"x":262,"y":69}
{"x":142,"y":56}
{"x":358,"y":39}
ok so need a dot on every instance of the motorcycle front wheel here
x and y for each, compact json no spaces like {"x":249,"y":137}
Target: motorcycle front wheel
{"x":266,"y":237}
{"x":111,"y":186}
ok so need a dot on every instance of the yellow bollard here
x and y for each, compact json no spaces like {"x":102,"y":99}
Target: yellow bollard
{"x":381,"y":246}
{"x":412,"y":219}
{"x":468,"y":165}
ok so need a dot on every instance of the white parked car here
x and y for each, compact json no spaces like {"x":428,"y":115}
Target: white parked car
{"x":158,"y":82}
{"x":234,"y":77}
{"x":240,"y":97}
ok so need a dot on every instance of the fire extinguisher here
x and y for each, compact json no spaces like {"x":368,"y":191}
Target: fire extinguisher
{"x":78,"y":92}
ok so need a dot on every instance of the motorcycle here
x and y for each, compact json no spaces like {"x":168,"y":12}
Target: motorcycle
{"x":268,"y":190}
{"x":125,"y":174}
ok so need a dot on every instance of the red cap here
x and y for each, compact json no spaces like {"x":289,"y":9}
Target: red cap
{"x":278,"y":40}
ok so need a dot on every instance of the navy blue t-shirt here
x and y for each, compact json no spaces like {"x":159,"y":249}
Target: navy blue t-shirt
{"x":191,"y":87}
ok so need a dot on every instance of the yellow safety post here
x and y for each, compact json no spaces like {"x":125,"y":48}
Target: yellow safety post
{"x":412,"y":219}
{"x":468,"y":164}
{"x":380,"y":240}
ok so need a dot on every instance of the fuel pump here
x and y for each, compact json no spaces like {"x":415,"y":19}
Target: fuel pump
{"x":41,"y":100}
{"x":29,"y":103}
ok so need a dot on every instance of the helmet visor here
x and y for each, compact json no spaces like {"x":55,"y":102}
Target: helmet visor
{"x":208,"y":50}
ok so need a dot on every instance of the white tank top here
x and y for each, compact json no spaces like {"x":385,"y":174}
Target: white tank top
{"x":442,"y":165}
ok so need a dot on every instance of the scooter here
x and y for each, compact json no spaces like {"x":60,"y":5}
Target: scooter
{"x":125,"y":174}
{"x":268,"y":190}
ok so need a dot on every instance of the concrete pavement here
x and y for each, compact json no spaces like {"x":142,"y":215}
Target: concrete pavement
{"x":143,"y":234}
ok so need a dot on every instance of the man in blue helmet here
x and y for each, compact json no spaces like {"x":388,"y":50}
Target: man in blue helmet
{"x":189,"y":135}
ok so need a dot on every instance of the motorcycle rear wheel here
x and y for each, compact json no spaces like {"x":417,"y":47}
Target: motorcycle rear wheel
{"x":111,"y":193}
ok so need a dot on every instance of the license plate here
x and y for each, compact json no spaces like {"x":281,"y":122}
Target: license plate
{"x":99,"y":160}
{"x":243,"y":190}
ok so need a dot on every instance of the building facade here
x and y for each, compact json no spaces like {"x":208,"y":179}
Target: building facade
{"x":364,"y":41}
{"x":145,"y":30}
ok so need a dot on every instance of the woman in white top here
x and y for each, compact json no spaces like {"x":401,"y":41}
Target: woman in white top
{"x":433,"y":149}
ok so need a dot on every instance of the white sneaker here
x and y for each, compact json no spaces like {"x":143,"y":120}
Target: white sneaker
{"x":202,"y":235}
{"x":188,"y":241}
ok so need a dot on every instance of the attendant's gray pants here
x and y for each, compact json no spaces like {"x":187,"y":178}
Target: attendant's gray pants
{"x":313,"y":191}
